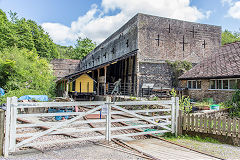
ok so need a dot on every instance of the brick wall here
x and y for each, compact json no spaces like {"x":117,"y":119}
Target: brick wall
{"x":170,"y":44}
{"x":217,"y":95}
{"x":64,"y":67}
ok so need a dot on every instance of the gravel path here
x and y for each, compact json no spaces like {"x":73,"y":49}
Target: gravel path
{"x":81,"y":151}
{"x":224,"y":151}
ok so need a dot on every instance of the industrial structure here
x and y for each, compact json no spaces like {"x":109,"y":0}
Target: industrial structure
{"x":136,"y":54}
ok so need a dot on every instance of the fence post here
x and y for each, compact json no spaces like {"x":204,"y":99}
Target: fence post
{"x":7,"y":130}
{"x":177,"y":116}
{"x":13,"y":124}
{"x":2,"y":118}
{"x":108,"y":119}
{"x":173,"y":115}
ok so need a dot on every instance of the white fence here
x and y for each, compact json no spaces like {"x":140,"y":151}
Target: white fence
{"x":167,"y":114}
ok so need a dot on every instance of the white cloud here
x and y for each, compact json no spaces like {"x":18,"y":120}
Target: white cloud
{"x":229,"y":2}
{"x":234,"y":10}
{"x":98,"y":24}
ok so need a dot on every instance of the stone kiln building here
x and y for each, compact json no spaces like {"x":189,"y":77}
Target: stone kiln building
{"x":216,"y":76}
{"x":136,"y":53}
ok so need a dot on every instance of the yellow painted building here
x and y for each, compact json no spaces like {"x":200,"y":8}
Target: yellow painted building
{"x":83,"y":84}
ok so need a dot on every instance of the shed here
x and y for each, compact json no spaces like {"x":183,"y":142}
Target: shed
{"x":83,"y":84}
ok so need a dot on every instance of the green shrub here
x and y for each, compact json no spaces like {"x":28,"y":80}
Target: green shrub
{"x":24,"y":72}
{"x":234,"y":104}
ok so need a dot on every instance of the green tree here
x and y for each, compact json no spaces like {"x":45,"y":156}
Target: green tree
{"x":27,"y":34}
{"x":23,"y":71}
{"x":82,"y":48}
{"x":65,"y":52}
{"x":179,"y":68}
{"x":229,"y":37}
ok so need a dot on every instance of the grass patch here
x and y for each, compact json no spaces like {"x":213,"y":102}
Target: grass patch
{"x":172,"y":137}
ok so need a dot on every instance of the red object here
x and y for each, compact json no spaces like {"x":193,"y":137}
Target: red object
{"x":76,"y":108}
{"x":94,"y":116}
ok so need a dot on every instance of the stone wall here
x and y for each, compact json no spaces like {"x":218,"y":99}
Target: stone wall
{"x":158,"y":73}
{"x":64,"y":67}
{"x":170,"y":44}
{"x":199,"y":94}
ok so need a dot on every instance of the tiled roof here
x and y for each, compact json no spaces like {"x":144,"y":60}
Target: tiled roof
{"x":222,"y":63}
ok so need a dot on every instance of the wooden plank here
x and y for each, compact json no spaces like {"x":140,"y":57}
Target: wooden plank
{"x":7,"y":131}
{"x":55,"y":127}
{"x":143,"y":118}
{"x":196,"y":123}
{"x":209,"y":124}
{"x":2,"y":118}
{"x":205,"y":123}
{"x":173,"y":115}
{"x":126,"y":103}
{"x":234,"y":134}
{"x":84,"y":130}
{"x":201,"y":122}
{"x":224,"y":126}
{"x":188,"y":122}
{"x":184,"y":119}
{"x":219,"y":126}
{"x":229,"y":126}
{"x":58,"y":104}
{"x":48,"y":124}
{"x":192,"y":122}
{"x":13,"y":123}
{"x":214,"y":125}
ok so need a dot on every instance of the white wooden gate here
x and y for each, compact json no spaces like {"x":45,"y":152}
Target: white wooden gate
{"x":168,"y":121}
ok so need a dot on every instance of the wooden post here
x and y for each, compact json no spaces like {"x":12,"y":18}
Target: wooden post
{"x":173,"y":115}
{"x":7,"y":131}
{"x":180,"y":123}
{"x":2,"y":118}
{"x":108,"y":119}
{"x":98,"y":74}
{"x":105,"y":79}
{"x":13,"y":124}
{"x":177,"y":115}
{"x":67,"y":88}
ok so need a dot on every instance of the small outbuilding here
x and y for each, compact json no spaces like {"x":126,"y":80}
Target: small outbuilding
{"x":217,"y":76}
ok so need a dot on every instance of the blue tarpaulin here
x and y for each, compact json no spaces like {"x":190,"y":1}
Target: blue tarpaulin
{"x":2,"y":93}
{"x":34,"y":97}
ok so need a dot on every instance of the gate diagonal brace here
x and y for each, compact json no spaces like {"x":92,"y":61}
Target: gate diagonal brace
{"x":141,"y":117}
{"x":56,"y":127}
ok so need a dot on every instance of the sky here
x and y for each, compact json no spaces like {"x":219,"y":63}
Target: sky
{"x":66,"y":20}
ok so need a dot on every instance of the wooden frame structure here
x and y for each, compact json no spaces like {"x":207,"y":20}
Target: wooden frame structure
{"x":113,"y":108}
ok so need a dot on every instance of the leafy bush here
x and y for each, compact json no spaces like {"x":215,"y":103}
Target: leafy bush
{"x":234,"y":104}
{"x":184,"y":102}
{"x":24,"y":72}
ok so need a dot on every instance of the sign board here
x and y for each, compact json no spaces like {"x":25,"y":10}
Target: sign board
{"x":104,"y":110}
{"x":101,"y":79}
{"x":147,"y":85}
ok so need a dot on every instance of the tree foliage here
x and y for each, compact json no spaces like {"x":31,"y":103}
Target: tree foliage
{"x":82,"y":48}
{"x":178,"y":68}
{"x":229,"y":37}
{"x":27,"y":34}
{"x":23,"y":71}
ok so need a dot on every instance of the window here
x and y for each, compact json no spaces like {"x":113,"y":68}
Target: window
{"x":225,"y":84}
{"x":232,"y":84}
{"x":189,"y":84}
{"x":193,"y":84}
{"x":199,"y":84}
{"x":212,"y":84}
